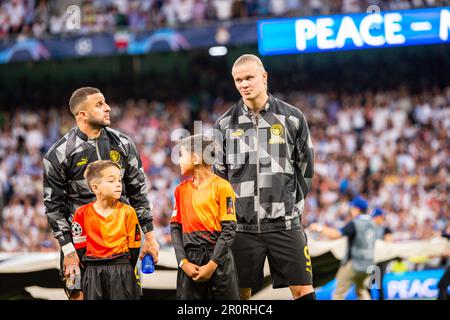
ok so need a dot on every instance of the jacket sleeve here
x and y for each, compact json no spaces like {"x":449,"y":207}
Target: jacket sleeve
{"x":55,"y":186}
{"x":177,"y":241}
{"x":304,"y":157}
{"x":224,"y":242}
{"x":133,"y":231}
{"x":176,"y":230}
{"x":220,"y":163}
{"x":136,"y":188}
{"x":134,"y":236}
{"x":79,"y":234}
{"x":227,"y":215}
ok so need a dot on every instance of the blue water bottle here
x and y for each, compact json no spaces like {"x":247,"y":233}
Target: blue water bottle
{"x":148,"y":266}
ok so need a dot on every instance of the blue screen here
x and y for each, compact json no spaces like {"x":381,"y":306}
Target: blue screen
{"x":354,"y":31}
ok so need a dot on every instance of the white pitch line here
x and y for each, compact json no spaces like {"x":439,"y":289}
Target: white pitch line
{"x":421,"y":26}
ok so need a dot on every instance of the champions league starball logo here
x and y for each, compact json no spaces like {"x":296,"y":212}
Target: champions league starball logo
{"x":84,"y":46}
{"x":76,"y":229}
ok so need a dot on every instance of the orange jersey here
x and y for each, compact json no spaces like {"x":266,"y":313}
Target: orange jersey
{"x":105,"y":237}
{"x":200,"y":210}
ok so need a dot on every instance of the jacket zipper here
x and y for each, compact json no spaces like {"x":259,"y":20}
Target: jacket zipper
{"x":257,"y":173}
{"x":96,"y":148}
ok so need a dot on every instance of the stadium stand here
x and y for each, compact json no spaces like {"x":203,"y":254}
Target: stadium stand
{"x":389,"y":146}
{"x":40,"y":18}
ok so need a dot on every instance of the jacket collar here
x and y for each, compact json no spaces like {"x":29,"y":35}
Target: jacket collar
{"x":247,"y":111}
{"x":83,"y":136}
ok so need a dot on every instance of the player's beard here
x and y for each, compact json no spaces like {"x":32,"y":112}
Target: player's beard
{"x":98,"y":124}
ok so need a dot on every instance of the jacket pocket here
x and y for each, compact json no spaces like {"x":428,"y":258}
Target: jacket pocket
{"x":245,"y":211}
{"x":289,"y":197}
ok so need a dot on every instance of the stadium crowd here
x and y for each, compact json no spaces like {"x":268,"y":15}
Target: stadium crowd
{"x":391,"y":147}
{"x":38,"y":18}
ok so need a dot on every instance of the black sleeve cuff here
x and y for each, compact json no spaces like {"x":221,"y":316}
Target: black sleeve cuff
{"x":65,"y":238}
{"x":147,"y":227}
{"x":219,"y":262}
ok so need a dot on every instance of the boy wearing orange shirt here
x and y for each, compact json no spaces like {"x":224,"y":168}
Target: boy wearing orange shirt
{"x":203,"y":227}
{"x":106,"y":235}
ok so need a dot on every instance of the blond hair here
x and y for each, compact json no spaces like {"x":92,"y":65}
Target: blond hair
{"x":246,"y":58}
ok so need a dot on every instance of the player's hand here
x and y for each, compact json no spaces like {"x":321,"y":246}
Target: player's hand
{"x":71,"y":264}
{"x":190,"y":269}
{"x":150,"y":246}
{"x":205,"y":272}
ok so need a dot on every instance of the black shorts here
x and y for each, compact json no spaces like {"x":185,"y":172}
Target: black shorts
{"x":77,"y":286}
{"x":287,"y":253}
{"x":110,"y":280}
{"x":223,"y":284}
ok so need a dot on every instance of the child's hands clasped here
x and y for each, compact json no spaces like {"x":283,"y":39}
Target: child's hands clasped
{"x":190,"y":269}
{"x":205,"y":272}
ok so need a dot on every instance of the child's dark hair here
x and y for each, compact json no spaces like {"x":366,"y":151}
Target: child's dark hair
{"x":201,"y":145}
{"x":94,"y":169}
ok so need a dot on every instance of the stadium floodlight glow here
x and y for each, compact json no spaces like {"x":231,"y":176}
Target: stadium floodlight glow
{"x":354,"y":31}
{"x":218,"y":51}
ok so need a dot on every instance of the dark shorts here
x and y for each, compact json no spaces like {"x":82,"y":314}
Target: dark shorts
{"x":110,"y":280}
{"x":76,"y":287}
{"x":223,"y":285}
{"x":287,"y":253}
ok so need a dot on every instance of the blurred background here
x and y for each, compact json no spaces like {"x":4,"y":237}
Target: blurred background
{"x":379,"y":117}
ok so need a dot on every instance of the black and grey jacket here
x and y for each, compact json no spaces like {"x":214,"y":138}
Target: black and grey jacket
{"x":65,"y":188}
{"x":269,"y":161}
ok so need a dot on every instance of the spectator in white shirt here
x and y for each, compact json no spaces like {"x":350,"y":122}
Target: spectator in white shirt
{"x":223,"y":9}
{"x":184,"y":10}
{"x":16,"y":12}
